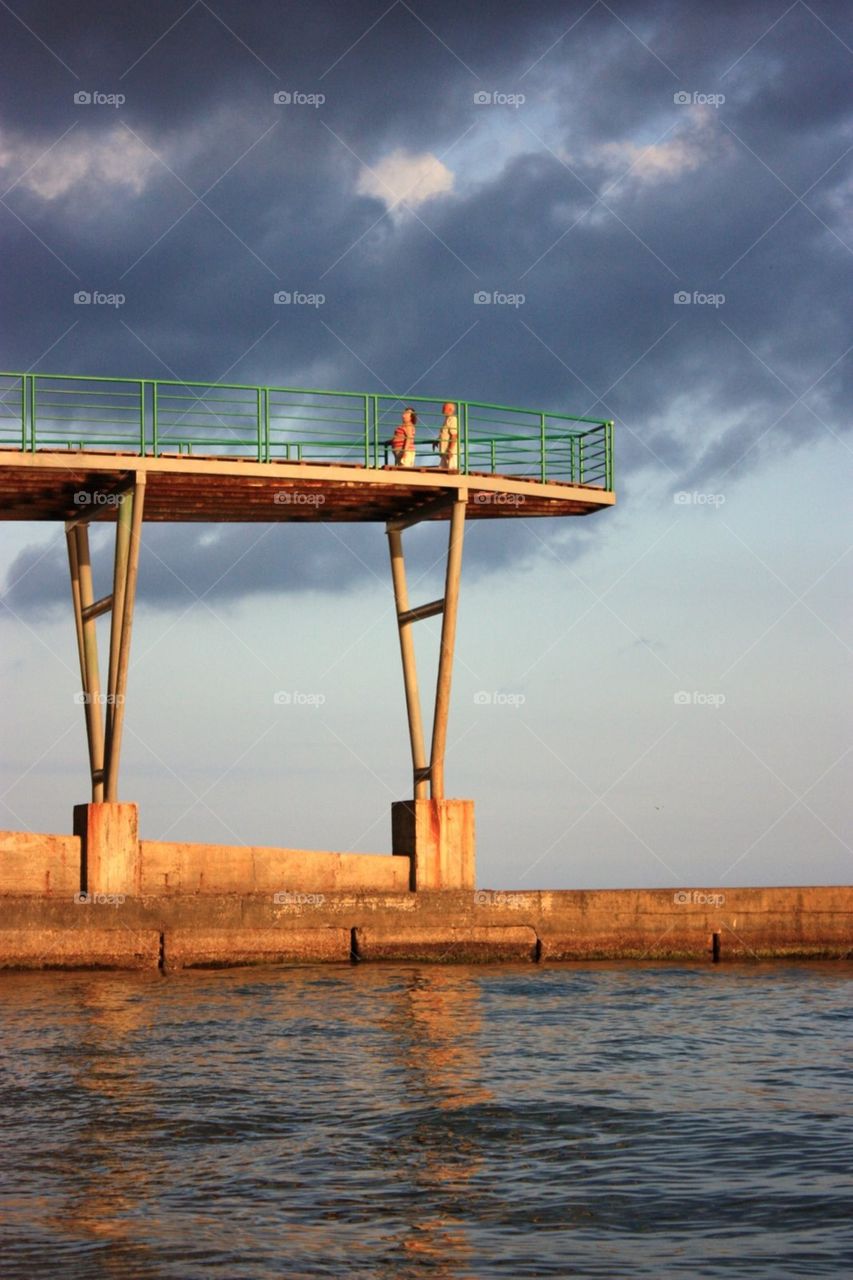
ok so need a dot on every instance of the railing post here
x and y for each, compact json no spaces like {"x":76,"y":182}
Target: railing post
{"x":24,"y":413}
{"x":465,"y":437}
{"x":366,"y":431}
{"x":142,"y":416}
{"x":608,"y":446}
{"x":33,"y":420}
{"x":543,"y":465}
{"x":259,"y":415}
{"x":155,"y":444}
{"x":580,"y":459}
{"x":375,"y":431}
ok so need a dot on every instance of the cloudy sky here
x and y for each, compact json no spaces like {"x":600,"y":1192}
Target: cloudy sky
{"x":665,"y":188}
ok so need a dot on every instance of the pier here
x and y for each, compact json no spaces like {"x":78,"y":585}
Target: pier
{"x":126,"y":451}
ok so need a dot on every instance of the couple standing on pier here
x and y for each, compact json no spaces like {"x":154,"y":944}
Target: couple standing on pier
{"x":403,"y":440}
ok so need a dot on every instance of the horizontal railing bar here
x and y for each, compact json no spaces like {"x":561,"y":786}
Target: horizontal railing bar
{"x":508,"y":408}
{"x":112,"y":395}
{"x":95,"y":422}
{"x":77,"y":377}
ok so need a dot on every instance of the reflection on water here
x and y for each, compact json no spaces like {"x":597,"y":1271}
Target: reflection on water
{"x":400,"y":1121}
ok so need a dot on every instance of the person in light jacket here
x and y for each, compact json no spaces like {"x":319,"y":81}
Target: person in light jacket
{"x":448,"y":439}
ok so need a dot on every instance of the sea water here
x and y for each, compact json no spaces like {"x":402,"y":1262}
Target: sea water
{"x":446,"y":1121}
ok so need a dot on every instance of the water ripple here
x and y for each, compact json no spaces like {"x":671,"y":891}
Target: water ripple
{"x":462,"y":1123}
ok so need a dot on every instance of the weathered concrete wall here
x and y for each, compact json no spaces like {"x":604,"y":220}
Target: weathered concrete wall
{"x":81,"y":947}
{"x":629,"y":924}
{"x":41,"y":864}
{"x":105,"y":856}
{"x":206,"y":948}
{"x":217,"y":868}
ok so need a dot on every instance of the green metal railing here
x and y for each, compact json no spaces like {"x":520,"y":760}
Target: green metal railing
{"x":267,"y":424}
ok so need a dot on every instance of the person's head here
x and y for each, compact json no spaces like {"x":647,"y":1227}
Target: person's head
{"x":448,"y":409}
{"x":409,"y":415}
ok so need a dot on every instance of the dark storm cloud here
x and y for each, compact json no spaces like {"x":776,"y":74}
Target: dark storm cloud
{"x":181,"y":563}
{"x":611,"y":199}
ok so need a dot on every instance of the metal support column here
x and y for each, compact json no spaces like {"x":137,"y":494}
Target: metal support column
{"x":105,"y":744}
{"x":410,"y":671}
{"x":432,"y":772}
{"x":448,"y":642}
{"x":126,"y":568}
{"x":82,"y":595}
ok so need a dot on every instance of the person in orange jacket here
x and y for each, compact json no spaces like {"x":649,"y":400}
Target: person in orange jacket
{"x":403,"y":440}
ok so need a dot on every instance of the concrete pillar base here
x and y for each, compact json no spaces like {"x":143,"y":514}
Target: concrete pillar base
{"x":438,"y":838}
{"x":109,"y":848}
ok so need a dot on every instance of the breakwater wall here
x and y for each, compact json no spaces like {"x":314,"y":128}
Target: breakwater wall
{"x":291,"y":926}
